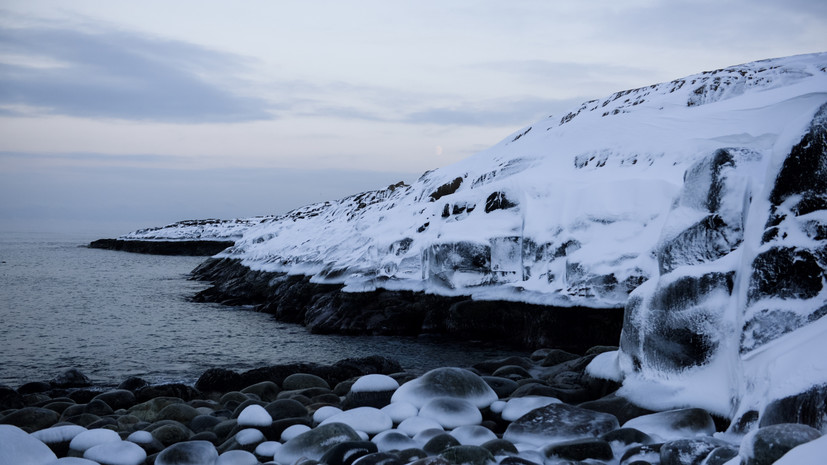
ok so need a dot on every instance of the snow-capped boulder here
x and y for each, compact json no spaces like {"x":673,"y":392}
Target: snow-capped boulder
{"x":446,"y":382}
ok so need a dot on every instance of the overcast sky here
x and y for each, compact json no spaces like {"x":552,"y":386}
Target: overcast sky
{"x":117,"y":115}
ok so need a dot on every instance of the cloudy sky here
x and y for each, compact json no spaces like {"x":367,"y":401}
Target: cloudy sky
{"x":116,"y":115}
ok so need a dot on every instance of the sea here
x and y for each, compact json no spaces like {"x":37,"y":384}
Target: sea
{"x":113,"y":315}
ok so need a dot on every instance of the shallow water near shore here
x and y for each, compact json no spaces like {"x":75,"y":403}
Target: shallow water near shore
{"x":115,"y":314}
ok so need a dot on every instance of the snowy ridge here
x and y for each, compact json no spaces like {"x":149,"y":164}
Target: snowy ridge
{"x":196,"y":230}
{"x":566,"y":212}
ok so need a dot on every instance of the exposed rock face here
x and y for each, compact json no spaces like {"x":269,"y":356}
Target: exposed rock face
{"x":183,"y":247}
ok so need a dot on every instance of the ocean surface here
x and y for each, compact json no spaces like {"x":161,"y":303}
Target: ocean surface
{"x":116,"y":314}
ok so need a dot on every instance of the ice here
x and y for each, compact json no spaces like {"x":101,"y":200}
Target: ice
{"x":473,"y":435}
{"x":93,"y":437}
{"x":446,"y":382}
{"x":451,"y":412}
{"x":325,"y":412}
{"x":558,"y":422}
{"x":519,"y":406}
{"x":393,"y":440}
{"x":314,"y":443}
{"x":426,"y":435}
{"x":374,"y":383}
{"x":810,"y":453}
{"x":18,"y":447}
{"x":116,"y":453}
{"x":498,"y":406}
{"x":400,"y":411}
{"x":368,"y":419}
{"x":71,"y":461}
{"x":58,"y":433}
{"x":249,"y":436}
{"x":254,"y":415}
{"x":292,"y":431}
{"x":415,"y":425}
{"x":237,"y":457}
{"x":674,"y":424}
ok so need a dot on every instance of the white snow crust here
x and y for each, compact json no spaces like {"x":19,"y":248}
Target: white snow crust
{"x":254,"y":415}
{"x":374,"y":383}
{"x":371,"y":420}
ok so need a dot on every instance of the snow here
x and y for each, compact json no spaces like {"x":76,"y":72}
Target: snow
{"x":268,"y":448}
{"x":605,"y":366}
{"x":393,"y":440}
{"x":254,"y":415}
{"x":58,"y":433}
{"x":400,"y":411}
{"x":368,"y":419}
{"x":249,"y":436}
{"x":237,"y":457}
{"x":292,"y":431}
{"x":17,"y":446}
{"x":71,"y":461}
{"x":116,"y":453}
{"x":450,"y":382}
{"x":374,"y":383}
{"x":473,"y":435}
{"x":415,"y":425}
{"x":325,"y":412}
{"x":93,"y":437}
{"x":810,"y":453}
{"x":140,"y":437}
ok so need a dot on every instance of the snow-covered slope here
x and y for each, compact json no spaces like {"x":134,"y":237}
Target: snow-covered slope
{"x":196,"y":230}
{"x":565,"y":212}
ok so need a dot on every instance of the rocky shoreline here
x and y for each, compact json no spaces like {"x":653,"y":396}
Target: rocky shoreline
{"x":325,"y":309}
{"x":180,"y":247}
{"x":546,"y":408}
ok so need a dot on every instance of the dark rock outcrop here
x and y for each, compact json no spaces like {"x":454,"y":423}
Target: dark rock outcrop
{"x":193,"y":248}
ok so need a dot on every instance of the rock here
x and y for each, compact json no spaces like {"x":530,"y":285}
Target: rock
{"x":809,"y":453}
{"x":146,"y":441}
{"x":133,"y":384}
{"x":18,"y":447}
{"x":500,"y":447}
{"x":514,"y":460}
{"x":446,"y":382}
{"x":440,"y":443}
{"x":559,"y":422}
{"x":218,"y":380}
{"x":286,"y":408}
{"x":519,"y":406}
{"x":416,"y":424}
{"x":237,"y":457}
{"x":188,"y":453}
{"x":618,"y":406}
{"x":171,"y":432}
{"x":116,"y":453}
{"x":411,"y":455}
{"x":627,"y":436}
{"x":513,"y":372}
{"x":10,"y":399}
{"x":59,"y":407}
{"x":315,"y":443}
{"x":181,"y":391}
{"x":345,"y":453}
{"x":675,"y":424}
{"x":371,"y":391}
{"x":648,"y":453}
{"x":580,"y":449}
{"x":299,"y":381}
{"x":367,"y":419}
{"x":503,"y":387}
{"x":721,"y":455}
{"x":31,"y":418}
{"x":393,"y":440}
{"x":492,"y":366}
{"x":556,"y":356}
{"x":294,"y":430}
{"x":766,"y":445}
{"x":58,"y":437}
{"x":467,"y":455}
{"x":265,"y":390}
{"x":149,"y":410}
{"x":688,"y":451}
{"x":34,"y":387}
{"x":117,"y":398}
{"x":182,"y":413}
{"x":98,"y":407}
{"x":71,"y":378}
{"x":380,"y":458}
{"x":450,"y":412}
{"x":808,"y":408}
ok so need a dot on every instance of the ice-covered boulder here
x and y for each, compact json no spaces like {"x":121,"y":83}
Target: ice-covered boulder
{"x":315,"y":443}
{"x":188,"y":453}
{"x":559,"y":422}
{"x":451,"y":412}
{"x":116,"y":453}
{"x":17,"y":446}
{"x":450,"y":382}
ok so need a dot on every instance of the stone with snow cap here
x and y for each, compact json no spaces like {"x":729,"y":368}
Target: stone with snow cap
{"x":368,"y":419}
{"x":446,"y":382}
{"x":559,"y":422}
{"x":188,"y":453}
{"x":674,"y":424}
{"x":451,"y":412}
{"x":116,"y":453}
{"x":17,"y":446}
{"x":254,"y":415}
{"x":315,"y":443}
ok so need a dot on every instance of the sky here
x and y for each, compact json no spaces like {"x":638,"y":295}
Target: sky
{"x":117,"y":115}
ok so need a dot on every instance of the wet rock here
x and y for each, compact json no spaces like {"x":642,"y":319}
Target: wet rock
{"x":171,"y":432}
{"x":181,"y":391}
{"x":766,"y":445}
{"x":556,"y":356}
{"x":10,"y":399}
{"x":647,"y":453}
{"x":203,"y":423}
{"x":464,"y":455}
{"x":627,"y":436}
{"x":31,"y":419}
{"x":618,"y":406}
{"x":440,"y":443}
{"x":512,"y":460}
{"x":491,"y":366}
{"x":345,"y":453}
{"x":181,"y":413}
{"x":117,"y":398}
{"x":559,"y":422}
{"x":188,"y":453}
{"x":71,"y":378}
{"x":688,"y":451}
{"x":298,"y":381}
{"x":149,"y":410}
{"x":721,"y":455}
{"x":133,"y":384}
{"x":499,"y":447}
{"x":98,"y":407}
{"x":380,"y":458}
{"x":808,"y":408}
{"x":34,"y":387}
{"x":503,"y":387}
{"x":512,"y":372}
{"x":219,"y":380}
{"x":580,"y":449}
{"x":267,"y":391}
{"x":411,"y":455}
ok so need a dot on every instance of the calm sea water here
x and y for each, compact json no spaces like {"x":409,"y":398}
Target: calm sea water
{"x":115,"y":314}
